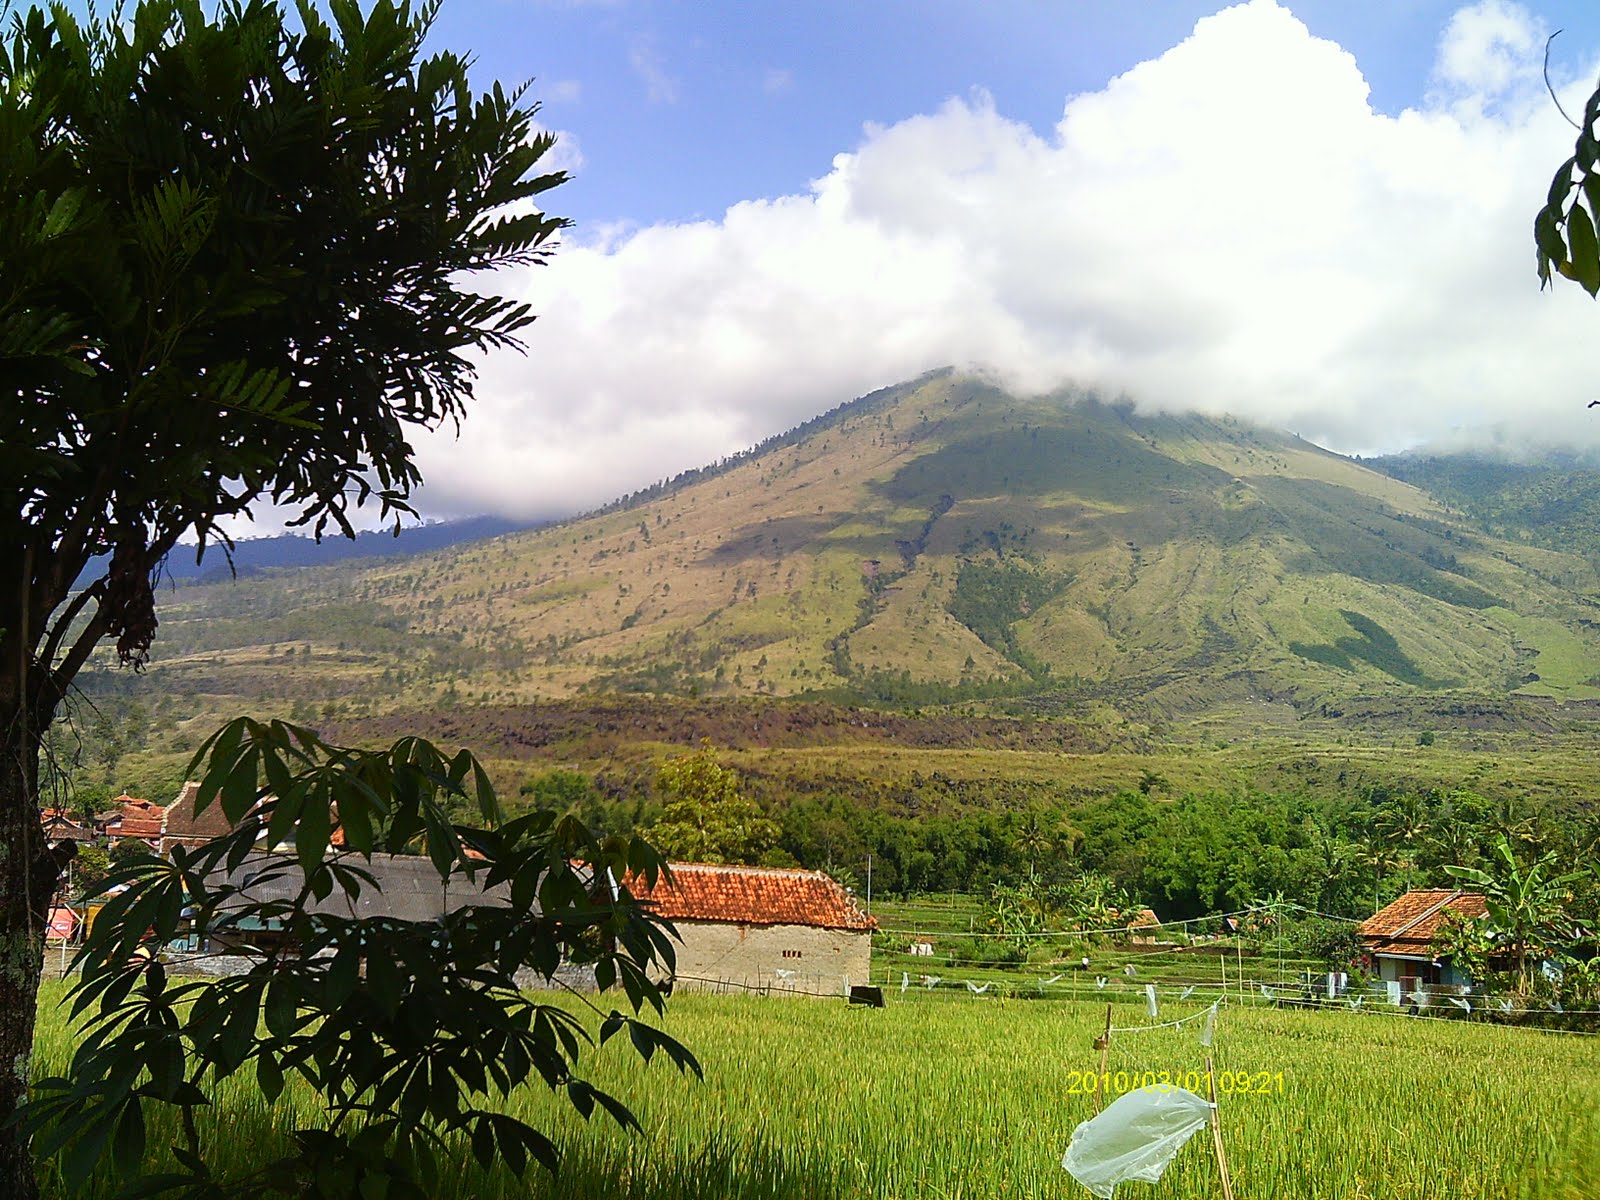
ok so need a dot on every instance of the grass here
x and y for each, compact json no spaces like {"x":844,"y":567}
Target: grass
{"x":953,"y":1096}
{"x":1563,"y":664}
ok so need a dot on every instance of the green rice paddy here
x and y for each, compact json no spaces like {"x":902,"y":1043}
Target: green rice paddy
{"x":951,"y":1095}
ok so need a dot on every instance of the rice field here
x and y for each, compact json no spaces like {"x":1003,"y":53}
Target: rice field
{"x":946,"y":1096}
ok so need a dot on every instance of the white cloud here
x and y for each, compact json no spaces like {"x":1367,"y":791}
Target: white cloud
{"x":564,"y":91}
{"x":566,"y":155}
{"x":644,"y":56}
{"x":1490,"y":46}
{"x":777,"y":80}
{"x":1229,"y":227}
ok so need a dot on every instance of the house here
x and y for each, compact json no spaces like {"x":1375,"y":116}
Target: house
{"x":181,"y":825}
{"x":162,"y":827}
{"x":1399,"y":938}
{"x":1144,"y":928}
{"x":408,"y":888}
{"x":58,"y":825}
{"x":768,"y":929}
{"x":132,"y":817}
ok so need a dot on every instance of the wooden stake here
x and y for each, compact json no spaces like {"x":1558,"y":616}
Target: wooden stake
{"x":1216,"y":1132}
{"x":1103,"y":1044}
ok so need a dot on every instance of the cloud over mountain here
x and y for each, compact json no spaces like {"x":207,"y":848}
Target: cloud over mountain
{"x":1228,"y":227}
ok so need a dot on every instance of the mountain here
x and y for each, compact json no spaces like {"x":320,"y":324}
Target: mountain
{"x":252,"y":555}
{"x":1549,"y":499}
{"x":937,"y":541}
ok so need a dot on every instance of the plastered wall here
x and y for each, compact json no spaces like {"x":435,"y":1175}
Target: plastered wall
{"x":740,"y":957}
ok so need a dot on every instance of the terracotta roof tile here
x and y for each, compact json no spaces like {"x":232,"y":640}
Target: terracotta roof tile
{"x":140,"y":827}
{"x":182,"y":823}
{"x":58,"y":823}
{"x":1141,"y":919}
{"x":1413,"y":920}
{"x":752,"y":896}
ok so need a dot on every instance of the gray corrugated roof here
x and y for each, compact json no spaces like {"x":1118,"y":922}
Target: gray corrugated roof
{"x":409,"y":887}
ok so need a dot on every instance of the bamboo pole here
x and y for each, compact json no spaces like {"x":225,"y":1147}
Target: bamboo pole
{"x":1216,"y":1132}
{"x":1103,"y":1044}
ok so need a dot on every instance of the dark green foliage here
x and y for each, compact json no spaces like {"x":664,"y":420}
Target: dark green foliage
{"x":243,"y":257}
{"x":1374,"y":646}
{"x":406,"y":1031}
{"x":982,"y":952}
{"x":1346,"y":534}
{"x":1334,"y":943}
{"x":1091,"y":455}
{"x":991,"y":597}
{"x":1576,"y":184}
{"x":1553,"y":502}
{"x":235,"y":257}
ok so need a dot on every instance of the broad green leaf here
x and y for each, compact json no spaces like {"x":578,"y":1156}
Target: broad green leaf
{"x":1585,"y":249}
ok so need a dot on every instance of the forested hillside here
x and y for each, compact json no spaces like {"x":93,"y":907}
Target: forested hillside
{"x":1552,"y":501}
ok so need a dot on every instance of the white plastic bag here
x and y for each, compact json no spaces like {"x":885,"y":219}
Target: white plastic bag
{"x":1134,"y":1138}
{"x":1208,"y":1030}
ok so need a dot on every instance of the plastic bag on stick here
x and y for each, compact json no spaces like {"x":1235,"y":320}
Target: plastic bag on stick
{"x":1136,"y":1136}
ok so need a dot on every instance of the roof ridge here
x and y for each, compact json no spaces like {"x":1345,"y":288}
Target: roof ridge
{"x":744,"y":868}
{"x":1428,"y":912}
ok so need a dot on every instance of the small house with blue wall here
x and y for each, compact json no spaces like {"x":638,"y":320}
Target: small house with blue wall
{"x":1399,"y":939}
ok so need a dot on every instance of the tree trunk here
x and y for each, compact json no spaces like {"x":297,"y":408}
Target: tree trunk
{"x":27,"y":881}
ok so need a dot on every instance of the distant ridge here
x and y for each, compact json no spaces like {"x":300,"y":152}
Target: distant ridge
{"x":290,"y":550}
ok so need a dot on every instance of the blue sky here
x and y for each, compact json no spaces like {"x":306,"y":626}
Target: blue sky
{"x":683,"y":109}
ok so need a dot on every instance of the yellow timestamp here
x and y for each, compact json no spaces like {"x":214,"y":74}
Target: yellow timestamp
{"x":1229,"y":1083}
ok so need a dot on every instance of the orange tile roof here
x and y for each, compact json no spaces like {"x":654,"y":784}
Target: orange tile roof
{"x":183,"y":824}
{"x":1410,"y":923}
{"x":140,"y":827}
{"x":1142,"y":919}
{"x":752,"y":896}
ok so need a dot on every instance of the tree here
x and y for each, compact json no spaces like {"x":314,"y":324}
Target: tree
{"x":241,"y":262}
{"x":1527,"y":904}
{"x":405,"y":1031}
{"x":705,"y":817}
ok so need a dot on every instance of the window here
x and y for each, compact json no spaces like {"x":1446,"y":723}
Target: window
{"x":791,"y":954}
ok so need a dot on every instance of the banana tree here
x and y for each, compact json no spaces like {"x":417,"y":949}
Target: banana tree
{"x":1527,"y":903}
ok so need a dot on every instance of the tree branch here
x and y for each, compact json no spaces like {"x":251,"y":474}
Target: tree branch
{"x":1554,"y":98}
{"x":58,"y":630}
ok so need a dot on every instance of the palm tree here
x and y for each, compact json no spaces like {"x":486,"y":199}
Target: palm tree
{"x":1379,"y":857}
{"x":1453,"y":842}
{"x":1331,"y":858}
{"x":1405,"y":825}
{"x":1033,"y":841}
{"x":1510,"y":823}
{"x":1527,"y":905}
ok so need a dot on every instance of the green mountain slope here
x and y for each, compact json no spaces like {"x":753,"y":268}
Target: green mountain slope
{"x":1553,"y":501}
{"x":937,"y":540}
